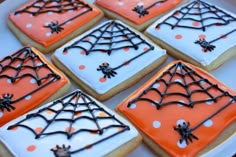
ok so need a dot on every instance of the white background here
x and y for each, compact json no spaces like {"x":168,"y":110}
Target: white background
{"x":9,"y":44}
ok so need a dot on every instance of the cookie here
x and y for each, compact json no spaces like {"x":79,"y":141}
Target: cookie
{"x":27,"y":79}
{"x":189,"y":111}
{"x":137,"y":13}
{"x":74,"y":125}
{"x":48,"y":24}
{"x":199,"y":33}
{"x":108,"y":59}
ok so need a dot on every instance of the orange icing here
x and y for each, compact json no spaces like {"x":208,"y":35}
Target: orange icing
{"x":125,"y":8}
{"x":159,"y":124}
{"x":25,"y":85}
{"x":33,"y":26}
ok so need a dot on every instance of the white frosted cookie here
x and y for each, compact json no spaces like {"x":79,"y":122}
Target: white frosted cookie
{"x":198,"y":32}
{"x":108,"y":58}
{"x":75,"y":125}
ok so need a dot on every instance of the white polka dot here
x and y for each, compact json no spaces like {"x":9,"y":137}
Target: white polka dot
{"x":31,"y":15}
{"x":179,"y":104}
{"x":18,"y":65}
{"x":133,"y":106}
{"x":179,"y":68}
{"x":50,"y":13}
{"x":156,"y":124}
{"x":33,"y":81}
{"x":54,"y":3}
{"x":39,"y":64}
{"x":29,"y":25}
{"x":121,"y":3}
{"x":28,"y":97}
{"x":208,"y":123}
{"x":17,"y":15}
{"x":48,"y":34}
{"x":180,"y":122}
{"x":209,"y":102}
{"x":68,"y":22}
{"x":140,"y":4}
{"x":46,"y":23}
{"x":156,"y":85}
{"x":182,"y":145}
{"x":202,"y":82}
{"x":70,"y":11}
{"x":231,"y":99}
{"x":9,"y":81}
{"x":155,"y":104}
{"x":178,"y":80}
{"x":1,"y":114}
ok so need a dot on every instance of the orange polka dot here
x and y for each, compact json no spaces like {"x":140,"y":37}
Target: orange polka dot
{"x":102,"y":79}
{"x":145,"y":49}
{"x":223,"y":36}
{"x":202,"y":36}
{"x":31,"y":148}
{"x":127,"y":63}
{"x":68,"y":129}
{"x":126,"y":49}
{"x":106,"y":38}
{"x":203,"y":50}
{"x":120,"y":129}
{"x":102,"y":114}
{"x":124,"y":37}
{"x":178,"y":36}
{"x":78,"y":114}
{"x":81,"y":67}
{"x":65,"y":52}
{"x":93,"y":133}
{"x":103,"y":51}
{"x":38,"y":130}
{"x":82,"y":52}
{"x":49,"y":112}
{"x":14,"y":128}
{"x":195,"y":24}
{"x":218,"y":24}
{"x":158,"y":28}
{"x":87,"y":39}
{"x":176,"y":14}
{"x":89,"y":147}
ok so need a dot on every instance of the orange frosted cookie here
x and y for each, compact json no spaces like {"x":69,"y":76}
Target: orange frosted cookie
{"x":189,"y":112}
{"x":27,"y":79}
{"x":137,"y":13}
{"x":47,"y":24}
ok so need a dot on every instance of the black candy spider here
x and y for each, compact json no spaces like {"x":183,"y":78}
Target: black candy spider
{"x":55,"y":27}
{"x":107,"y":70}
{"x":62,"y":151}
{"x":141,"y":10}
{"x":205,"y":45}
{"x":185,"y":133}
{"x":5,"y":102}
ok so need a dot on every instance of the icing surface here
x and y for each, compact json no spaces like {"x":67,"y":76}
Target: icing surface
{"x":126,"y":8}
{"x":46,"y":22}
{"x":25,"y":80}
{"x":107,"y":55}
{"x":76,"y":121}
{"x":185,"y":105}
{"x":208,"y":31}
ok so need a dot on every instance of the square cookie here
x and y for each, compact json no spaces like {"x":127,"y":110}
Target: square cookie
{"x":108,"y":59}
{"x":27,"y":79}
{"x":137,"y":13}
{"x":189,"y":112}
{"x":47,"y":24}
{"x":199,"y":33}
{"x":75,"y":125}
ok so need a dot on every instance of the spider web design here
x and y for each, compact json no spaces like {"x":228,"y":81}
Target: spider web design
{"x":108,"y":38}
{"x":57,"y":6}
{"x":192,"y":84}
{"x":24,"y":63}
{"x":72,"y":104}
{"x":203,"y":13}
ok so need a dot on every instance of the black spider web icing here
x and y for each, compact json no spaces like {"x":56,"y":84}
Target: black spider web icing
{"x":206,"y":15}
{"x":26,"y":59}
{"x":115,"y":35}
{"x":144,"y":11}
{"x":56,"y":6}
{"x":203,"y":85}
{"x":71,"y":104}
